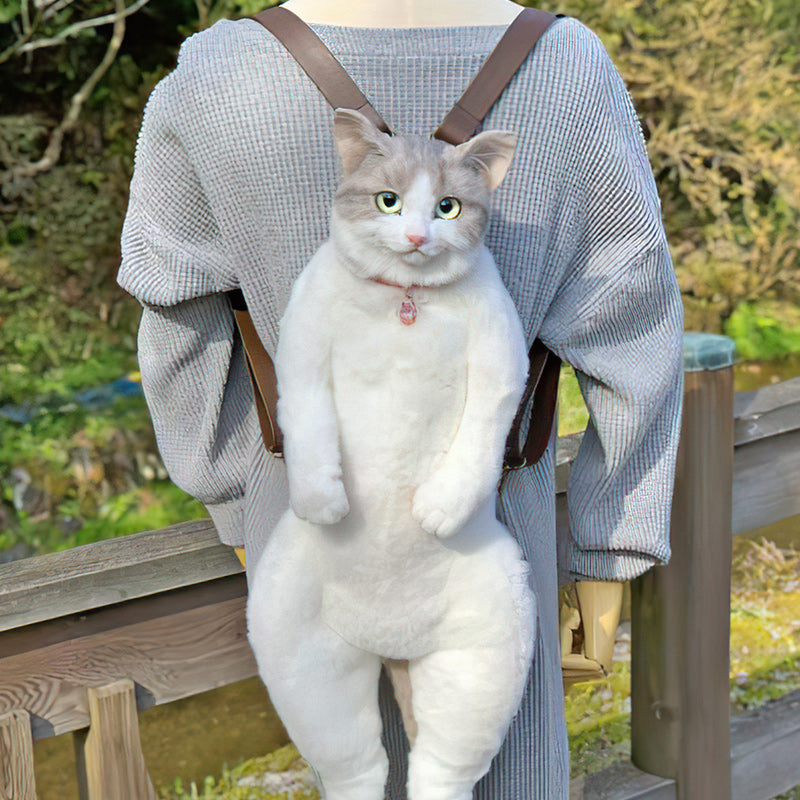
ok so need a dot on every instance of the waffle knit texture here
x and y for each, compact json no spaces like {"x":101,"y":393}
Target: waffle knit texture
{"x":234,"y":176}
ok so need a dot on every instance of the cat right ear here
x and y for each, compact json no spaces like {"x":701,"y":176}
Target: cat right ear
{"x":356,"y":138}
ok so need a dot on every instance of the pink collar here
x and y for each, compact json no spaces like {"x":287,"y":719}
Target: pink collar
{"x":407,"y":312}
{"x":394,"y":285}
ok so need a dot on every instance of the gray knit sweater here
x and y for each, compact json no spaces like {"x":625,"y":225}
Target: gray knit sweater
{"x":235,"y":171}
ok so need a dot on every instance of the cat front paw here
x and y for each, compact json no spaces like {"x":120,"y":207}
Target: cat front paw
{"x":440,"y":508}
{"x":319,"y":498}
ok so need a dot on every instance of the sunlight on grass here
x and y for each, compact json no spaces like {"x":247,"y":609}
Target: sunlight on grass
{"x":282,"y":775}
{"x":572,"y":413}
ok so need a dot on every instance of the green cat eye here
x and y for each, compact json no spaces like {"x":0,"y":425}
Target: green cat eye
{"x":448,"y":208}
{"x":388,"y":202}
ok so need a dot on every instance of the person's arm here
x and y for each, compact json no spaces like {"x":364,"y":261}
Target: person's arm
{"x":196,"y":385}
{"x":617,"y":318}
{"x":193,"y":370}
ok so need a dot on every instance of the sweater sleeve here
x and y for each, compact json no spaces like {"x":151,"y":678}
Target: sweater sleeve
{"x":617,"y":318}
{"x":197,"y":389}
{"x":172,"y":249}
{"x":192,"y":365}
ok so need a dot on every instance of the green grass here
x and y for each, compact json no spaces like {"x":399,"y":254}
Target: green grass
{"x":765,"y":658}
{"x":232,"y":783}
{"x":97,"y":472}
{"x":765,"y":330}
{"x":572,"y":412}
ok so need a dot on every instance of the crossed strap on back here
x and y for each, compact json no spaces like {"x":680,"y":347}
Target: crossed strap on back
{"x":461,"y":123}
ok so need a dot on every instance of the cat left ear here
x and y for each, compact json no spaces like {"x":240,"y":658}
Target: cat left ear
{"x":356,"y":138}
{"x":491,"y":152}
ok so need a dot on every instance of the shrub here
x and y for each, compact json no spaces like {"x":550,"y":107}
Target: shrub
{"x":717,"y":87}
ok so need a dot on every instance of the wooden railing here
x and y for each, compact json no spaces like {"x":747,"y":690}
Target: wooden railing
{"x":89,"y":636}
{"x":92,"y":635}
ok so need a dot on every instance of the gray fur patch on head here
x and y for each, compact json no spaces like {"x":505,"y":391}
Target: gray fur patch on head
{"x":400,"y":161}
{"x":422,"y":172}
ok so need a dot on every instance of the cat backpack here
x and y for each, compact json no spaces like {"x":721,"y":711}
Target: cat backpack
{"x":461,"y":123}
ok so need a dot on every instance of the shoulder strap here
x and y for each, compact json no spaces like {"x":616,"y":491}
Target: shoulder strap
{"x":262,"y":374}
{"x":466,"y":116}
{"x":462,"y":122}
{"x":317,"y":62}
{"x":464,"y":119}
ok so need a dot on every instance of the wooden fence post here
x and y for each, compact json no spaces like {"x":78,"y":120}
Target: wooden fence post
{"x":109,"y":754}
{"x":16,"y":757}
{"x":680,"y":614}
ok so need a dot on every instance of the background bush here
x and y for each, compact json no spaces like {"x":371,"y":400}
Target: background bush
{"x":717,"y":86}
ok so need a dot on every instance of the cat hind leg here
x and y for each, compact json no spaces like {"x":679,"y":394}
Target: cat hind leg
{"x":324,"y":690}
{"x":463,"y":708}
{"x":465,"y":694}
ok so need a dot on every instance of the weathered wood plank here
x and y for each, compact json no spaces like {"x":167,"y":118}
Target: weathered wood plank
{"x":765,"y":748}
{"x":622,"y":782}
{"x":566,"y":451}
{"x":109,"y":755}
{"x":766,"y":481}
{"x":112,"y":571}
{"x":760,"y":414}
{"x":16,"y":757}
{"x":172,"y":646}
{"x":764,"y":426}
{"x":44,"y":587}
{"x":749,"y":405}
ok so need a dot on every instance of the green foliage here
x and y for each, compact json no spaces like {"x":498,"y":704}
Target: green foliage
{"x":236,"y":784}
{"x":598,"y":720}
{"x":716,"y":86}
{"x":145,"y":508}
{"x":8,"y":10}
{"x":210,"y":11}
{"x":765,"y":330}
{"x":572,"y":412}
{"x":97,"y":472}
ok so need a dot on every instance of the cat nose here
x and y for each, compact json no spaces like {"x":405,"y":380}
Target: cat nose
{"x":416,"y":239}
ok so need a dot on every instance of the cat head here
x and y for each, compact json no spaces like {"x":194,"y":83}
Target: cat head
{"x":411,"y":209}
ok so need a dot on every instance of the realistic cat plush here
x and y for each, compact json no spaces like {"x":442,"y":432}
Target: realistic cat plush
{"x":400,"y":366}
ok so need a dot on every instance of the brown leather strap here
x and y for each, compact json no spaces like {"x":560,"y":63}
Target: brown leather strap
{"x":262,"y":374}
{"x":318,"y":62}
{"x":460,"y":124}
{"x":465,"y":118}
{"x":538,"y":399}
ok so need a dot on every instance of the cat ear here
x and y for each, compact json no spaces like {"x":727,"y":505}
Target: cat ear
{"x":356,"y":138}
{"x":491,"y":152}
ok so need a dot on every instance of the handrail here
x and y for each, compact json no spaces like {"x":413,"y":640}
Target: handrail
{"x":100,"y":574}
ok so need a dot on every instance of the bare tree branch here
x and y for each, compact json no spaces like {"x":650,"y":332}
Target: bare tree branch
{"x":51,"y":7}
{"x":53,"y":151}
{"x":81,"y":26}
{"x":22,"y":38}
{"x":26,"y":19}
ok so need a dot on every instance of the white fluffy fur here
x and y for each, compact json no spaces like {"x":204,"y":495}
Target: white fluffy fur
{"x":394,"y":440}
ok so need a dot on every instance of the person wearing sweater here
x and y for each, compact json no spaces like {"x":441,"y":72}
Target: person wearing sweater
{"x":235,"y":170}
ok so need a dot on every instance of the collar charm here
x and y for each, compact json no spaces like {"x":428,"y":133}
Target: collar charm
{"x":408,"y":310}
